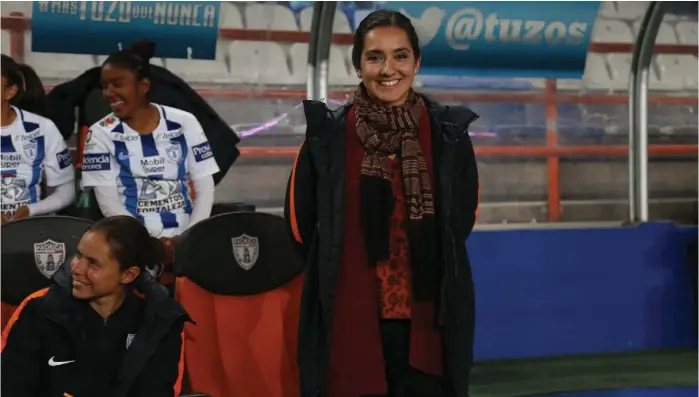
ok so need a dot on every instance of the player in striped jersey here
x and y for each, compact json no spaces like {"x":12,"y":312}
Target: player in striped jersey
{"x":144,"y":159}
{"x":31,"y":148}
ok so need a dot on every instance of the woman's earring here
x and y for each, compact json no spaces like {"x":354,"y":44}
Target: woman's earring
{"x":359,"y":75}
{"x":417,"y":71}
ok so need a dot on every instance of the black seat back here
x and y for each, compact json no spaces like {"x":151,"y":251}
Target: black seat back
{"x":242,"y":253}
{"x":33,"y":249}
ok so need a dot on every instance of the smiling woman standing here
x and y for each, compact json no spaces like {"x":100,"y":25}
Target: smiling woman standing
{"x":381,"y":199}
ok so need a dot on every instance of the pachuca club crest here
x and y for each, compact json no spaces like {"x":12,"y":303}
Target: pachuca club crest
{"x":245,"y":250}
{"x":49,"y":256}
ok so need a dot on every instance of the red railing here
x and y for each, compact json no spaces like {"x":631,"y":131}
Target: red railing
{"x":550,"y":97}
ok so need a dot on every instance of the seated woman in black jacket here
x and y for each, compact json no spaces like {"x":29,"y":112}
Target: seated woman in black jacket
{"x":103,"y":329}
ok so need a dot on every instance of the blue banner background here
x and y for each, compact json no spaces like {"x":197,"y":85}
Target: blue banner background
{"x":180,"y":28}
{"x":501,"y":39}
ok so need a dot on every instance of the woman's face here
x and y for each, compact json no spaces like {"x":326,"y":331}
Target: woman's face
{"x":124,"y":92}
{"x":96,"y":273}
{"x":388,"y":64}
{"x":8,"y":91}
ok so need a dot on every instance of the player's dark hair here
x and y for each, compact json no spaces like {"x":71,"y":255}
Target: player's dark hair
{"x":378,"y":19}
{"x":137,"y":58}
{"x":31,"y":95}
{"x":130,"y":243}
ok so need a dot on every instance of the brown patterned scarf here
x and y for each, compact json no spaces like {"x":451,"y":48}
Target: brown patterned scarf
{"x":388,"y":131}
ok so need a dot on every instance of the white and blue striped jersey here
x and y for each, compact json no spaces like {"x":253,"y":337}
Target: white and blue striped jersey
{"x":31,"y":147}
{"x":152,"y":171}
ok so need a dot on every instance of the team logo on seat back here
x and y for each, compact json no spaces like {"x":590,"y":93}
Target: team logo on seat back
{"x":245,"y":250}
{"x":49,"y":256}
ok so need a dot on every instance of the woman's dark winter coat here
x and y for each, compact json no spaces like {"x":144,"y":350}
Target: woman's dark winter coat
{"x":315,"y":212}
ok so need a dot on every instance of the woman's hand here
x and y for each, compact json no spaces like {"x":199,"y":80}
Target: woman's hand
{"x":21,"y":213}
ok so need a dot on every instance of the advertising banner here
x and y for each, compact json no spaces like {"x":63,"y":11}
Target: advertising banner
{"x":180,"y":29}
{"x":500,"y":38}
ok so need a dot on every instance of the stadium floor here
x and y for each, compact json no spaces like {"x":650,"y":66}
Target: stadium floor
{"x":554,"y":377}
{"x":649,"y":392}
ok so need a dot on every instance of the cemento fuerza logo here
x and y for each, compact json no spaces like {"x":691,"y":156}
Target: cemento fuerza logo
{"x":468,"y":25}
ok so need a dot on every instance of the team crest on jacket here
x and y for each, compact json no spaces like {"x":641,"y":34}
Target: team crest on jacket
{"x":245,"y":250}
{"x":49,"y":256}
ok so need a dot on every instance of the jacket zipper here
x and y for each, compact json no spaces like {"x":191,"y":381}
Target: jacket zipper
{"x":451,"y":200}
{"x":448,"y":220}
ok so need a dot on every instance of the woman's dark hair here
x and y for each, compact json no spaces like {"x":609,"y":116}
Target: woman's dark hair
{"x":137,"y":58}
{"x":130,"y":243}
{"x":31,"y":95}
{"x":378,"y":19}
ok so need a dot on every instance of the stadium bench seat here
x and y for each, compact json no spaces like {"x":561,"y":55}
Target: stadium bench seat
{"x":269,"y":16}
{"x":202,"y":70}
{"x":631,"y":10}
{"x":608,"y":10}
{"x":675,"y":72}
{"x":239,"y":278}
{"x":687,"y":32}
{"x":666,"y":34}
{"x":610,"y":31}
{"x":338,"y":67}
{"x":254,"y":62}
{"x":340,"y":22}
{"x":32,"y":250}
{"x":230,"y":16}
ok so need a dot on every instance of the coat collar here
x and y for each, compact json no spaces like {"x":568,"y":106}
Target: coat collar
{"x":158,"y":300}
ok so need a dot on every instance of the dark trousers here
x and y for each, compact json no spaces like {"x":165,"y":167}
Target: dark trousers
{"x":402,"y":379}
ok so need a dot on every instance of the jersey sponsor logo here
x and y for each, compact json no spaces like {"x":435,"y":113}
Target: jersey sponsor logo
{"x":174,"y":153}
{"x":108,"y":121}
{"x":153,"y":165}
{"x":64,"y":159}
{"x":26,"y":137}
{"x":245,"y":250}
{"x":10,"y":160}
{"x":14,"y":189}
{"x":14,"y":193}
{"x":119,"y":137}
{"x":202,"y":151}
{"x":168,"y":135}
{"x":160,"y":196}
{"x":96,"y":162}
{"x":49,"y":256}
